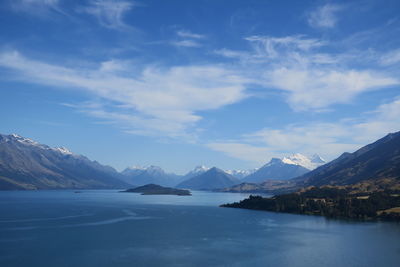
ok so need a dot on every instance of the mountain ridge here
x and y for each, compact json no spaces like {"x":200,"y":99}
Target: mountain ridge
{"x":26,"y":164}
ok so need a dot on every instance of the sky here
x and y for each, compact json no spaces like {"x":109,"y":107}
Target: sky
{"x":215,"y":82}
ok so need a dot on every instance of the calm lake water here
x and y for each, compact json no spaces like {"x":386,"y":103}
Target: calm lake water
{"x":107,"y":228}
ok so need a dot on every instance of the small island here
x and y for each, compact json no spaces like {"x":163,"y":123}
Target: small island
{"x":154,"y":189}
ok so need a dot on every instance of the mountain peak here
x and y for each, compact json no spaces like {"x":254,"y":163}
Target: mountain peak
{"x":20,"y":139}
{"x":214,"y":178}
{"x":31,"y":165}
{"x":304,"y":161}
{"x":215,"y":170}
{"x":136,"y":167}
{"x":201,"y":168}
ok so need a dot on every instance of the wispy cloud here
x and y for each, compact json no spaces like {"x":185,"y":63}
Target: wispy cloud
{"x":327,"y":139}
{"x":187,"y":39}
{"x":311,"y":80}
{"x":391,"y":57}
{"x":155,"y":101}
{"x":315,"y":88}
{"x":37,"y":7}
{"x":188,"y":34}
{"x":324,"y":16}
{"x":109,"y":13}
{"x":186,"y":43}
{"x":267,"y":46}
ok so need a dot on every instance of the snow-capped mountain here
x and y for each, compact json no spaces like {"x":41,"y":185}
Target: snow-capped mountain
{"x":138,"y":176}
{"x":196,"y":171}
{"x":213,"y":178}
{"x":240,"y":174}
{"x":29,"y":142}
{"x":27,"y":164}
{"x":285,"y":168}
{"x":307,"y":162}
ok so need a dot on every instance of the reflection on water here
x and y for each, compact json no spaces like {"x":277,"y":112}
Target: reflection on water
{"x":107,"y":228}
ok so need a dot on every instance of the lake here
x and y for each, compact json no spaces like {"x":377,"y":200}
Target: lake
{"x":108,"y":228}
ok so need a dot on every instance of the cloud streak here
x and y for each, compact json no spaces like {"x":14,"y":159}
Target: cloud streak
{"x":40,"y":8}
{"x":186,"y":43}
{"x":109,"y":13}
{"x":154,"y":101}
{"x":188,"y":34}
{"x":312,"y":80}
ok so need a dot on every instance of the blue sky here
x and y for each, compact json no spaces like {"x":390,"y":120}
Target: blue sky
{"x":183,"y":83}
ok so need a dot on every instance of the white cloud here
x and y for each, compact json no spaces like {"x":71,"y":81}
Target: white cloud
{"x":268,"y":46}
{"x":324,"y":16}
{"x":310,"y":79}
{"x":316,"y":88}
{"x":188,"y":34}
{"x":326,"y":139}
{"x":109,"y":13}
{"x":188,"y":39}
{"x":390,"y":58}
{"x":186,"y":43}
{"x":37,"y":7}
{"x":163,"y":101}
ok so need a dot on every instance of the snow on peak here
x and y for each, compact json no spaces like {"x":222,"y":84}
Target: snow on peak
{"x":136,"y":167}
{"x":240,"y":173}
{"x":200,"y":168}
{"x":63,"y":150}
{"x":16,"y":136}
{"x":23,"y":140}
{"x":304,"y":161}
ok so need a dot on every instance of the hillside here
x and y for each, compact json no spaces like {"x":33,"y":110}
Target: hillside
{"x":330,"y":202}
{"x":26,"y":164}
{"x":378,"y":160}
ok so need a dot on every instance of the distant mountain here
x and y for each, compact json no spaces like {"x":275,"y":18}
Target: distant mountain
{"x":378,"y":160}
{"x":240,"y":174}
{"x":196,"y":171}
{"x":284,"y":169}
{"x":212,"y":179}
{"x":133,"y":171}
{"x":276,"y":169}
{"x":150,"y":175}
{"x":26,"y":164}
{"x":309,"y":163}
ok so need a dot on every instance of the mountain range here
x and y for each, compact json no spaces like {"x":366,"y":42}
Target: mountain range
{"x":153,"y":174}
{"x":372,"y":168}
{"x":26,"y":164}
